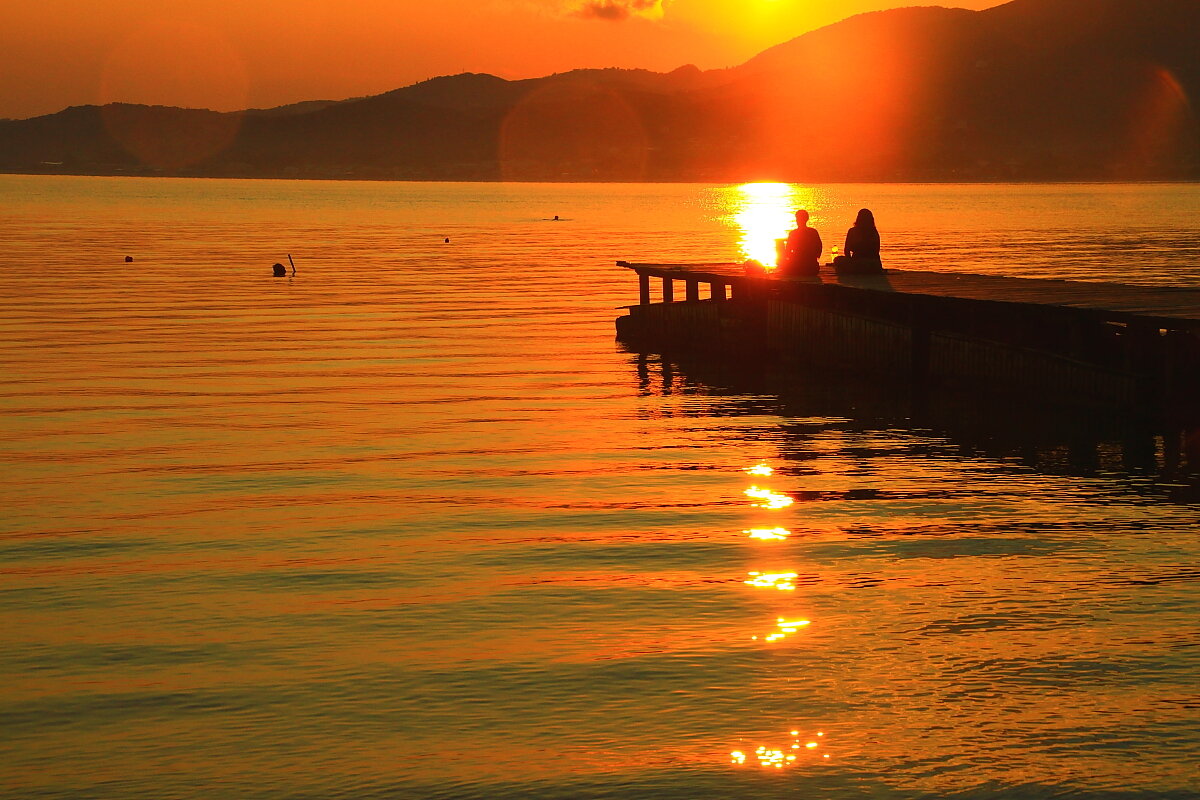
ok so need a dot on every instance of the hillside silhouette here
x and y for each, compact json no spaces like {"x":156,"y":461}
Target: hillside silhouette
{"x":1029,"y":90}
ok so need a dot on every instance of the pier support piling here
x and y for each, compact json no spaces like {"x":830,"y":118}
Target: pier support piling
{"x":1133,"y":347}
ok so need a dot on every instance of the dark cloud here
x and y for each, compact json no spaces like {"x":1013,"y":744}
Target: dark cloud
{"x":616,"y":9}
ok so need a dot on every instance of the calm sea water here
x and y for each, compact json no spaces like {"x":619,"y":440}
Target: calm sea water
{"x":412,"y":525}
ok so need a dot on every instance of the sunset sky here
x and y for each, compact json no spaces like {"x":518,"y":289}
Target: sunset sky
{"x":228,"y":54}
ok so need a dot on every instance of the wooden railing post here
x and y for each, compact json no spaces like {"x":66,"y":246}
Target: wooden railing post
{"x":643,"y":288}
{"x":691,"y":288}
{"x":668,"y":290}
{"x":718,"y":291}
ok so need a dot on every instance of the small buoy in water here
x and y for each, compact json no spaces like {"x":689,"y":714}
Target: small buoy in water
{"x":128,"y":259}
{"x":447,"y":240}
{"x":279,"y":271}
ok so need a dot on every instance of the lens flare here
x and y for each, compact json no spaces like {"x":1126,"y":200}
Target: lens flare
{"x":582,"y":130}
{"x":180,"y":63}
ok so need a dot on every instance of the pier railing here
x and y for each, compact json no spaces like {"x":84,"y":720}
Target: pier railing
{"x":1098,"y":342}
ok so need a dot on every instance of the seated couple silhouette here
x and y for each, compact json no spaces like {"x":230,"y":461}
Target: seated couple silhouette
{"x":801,"y":253}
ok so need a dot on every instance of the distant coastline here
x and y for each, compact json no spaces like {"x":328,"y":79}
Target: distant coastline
{"x":706,"y":181}
{"x":1028,"y":91}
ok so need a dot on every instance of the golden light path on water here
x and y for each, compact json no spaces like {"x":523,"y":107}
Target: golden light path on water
{"x":768,"y":534}
{"x":768,"y":756}
{"x":765,"y":212}
{"x":783,"y":581}
{"x":411,"y":524}
{"x":768,"y":498}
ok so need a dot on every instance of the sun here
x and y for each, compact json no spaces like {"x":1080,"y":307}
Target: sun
{"x":756,"y":23}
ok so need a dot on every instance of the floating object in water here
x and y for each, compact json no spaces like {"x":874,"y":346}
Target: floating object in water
{"x":447,"y":240}
{"x":280,"y":271}
{"x":128,"y":259}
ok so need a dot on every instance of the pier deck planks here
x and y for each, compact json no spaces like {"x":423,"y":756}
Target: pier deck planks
{"x":1166,"y":306}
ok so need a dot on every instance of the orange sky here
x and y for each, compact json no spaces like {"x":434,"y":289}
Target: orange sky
{"x":229,"y":54}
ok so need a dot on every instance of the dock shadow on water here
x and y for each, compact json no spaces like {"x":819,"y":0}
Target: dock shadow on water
{"x":971,"y":569}
{"x":1041,"y":434}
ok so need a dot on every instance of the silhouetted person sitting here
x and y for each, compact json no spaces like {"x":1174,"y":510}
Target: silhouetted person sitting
{"x":802,"y":253}
{"x":862,"y":247}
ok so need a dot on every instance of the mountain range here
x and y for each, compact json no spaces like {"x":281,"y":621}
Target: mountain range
{"x":1028,"y":90}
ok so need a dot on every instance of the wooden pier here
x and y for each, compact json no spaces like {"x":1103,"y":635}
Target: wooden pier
{"x":1103,"y":343}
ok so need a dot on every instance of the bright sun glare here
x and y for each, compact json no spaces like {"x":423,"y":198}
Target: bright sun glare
{"x":765,"y":212}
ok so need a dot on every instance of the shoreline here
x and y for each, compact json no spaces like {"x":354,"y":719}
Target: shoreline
{"x":570,"y":182}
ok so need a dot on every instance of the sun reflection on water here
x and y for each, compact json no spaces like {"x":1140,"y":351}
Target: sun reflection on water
{"x":768,"y":534}
{"x":777,"y":757}
{"x":768,"y":498}
{"x":764,"y":213}
{"x":786,"y":628}
{"x":783,"y":581}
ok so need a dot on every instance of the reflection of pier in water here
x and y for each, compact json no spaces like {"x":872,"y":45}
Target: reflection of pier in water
{"x":1161,"y":459}
{"x":952,"y":472}
{"x":1135,"y":348}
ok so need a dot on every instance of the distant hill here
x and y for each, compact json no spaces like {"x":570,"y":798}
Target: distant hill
{"x":1030,"y":90}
